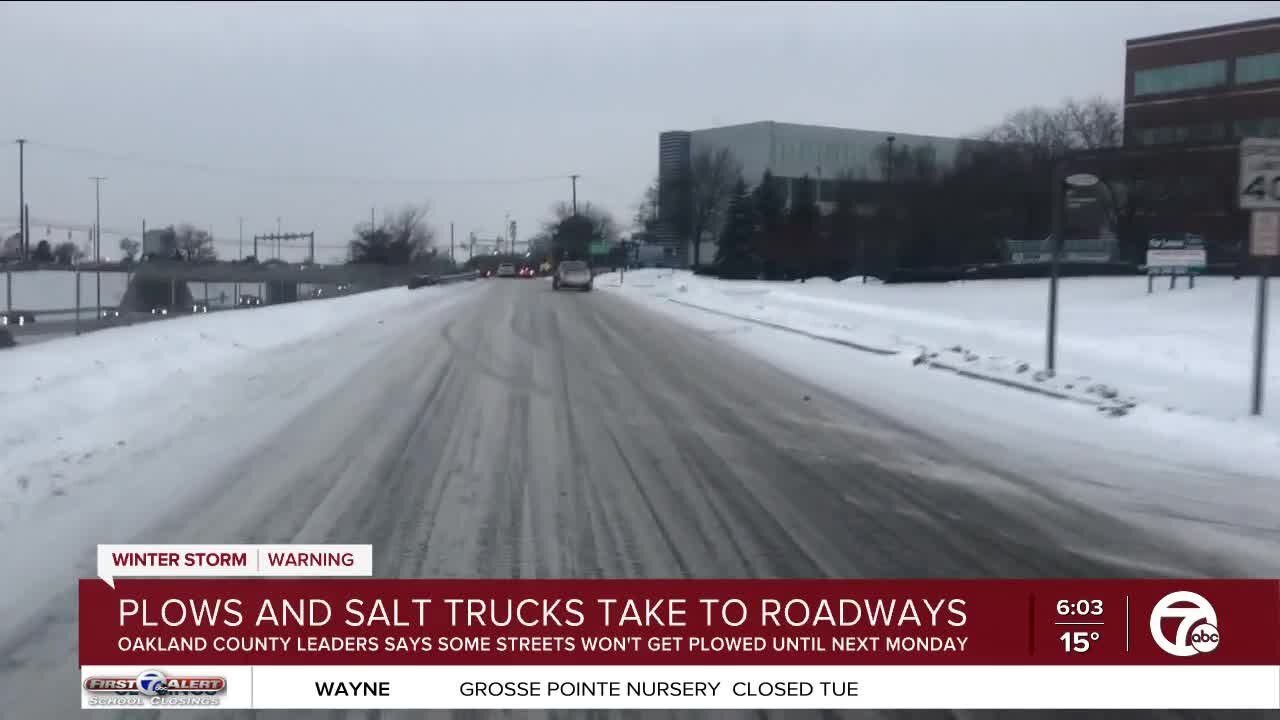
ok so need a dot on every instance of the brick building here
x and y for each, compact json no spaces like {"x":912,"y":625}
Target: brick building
{"x":1213,"y":85}
{"x":1189,"y":98}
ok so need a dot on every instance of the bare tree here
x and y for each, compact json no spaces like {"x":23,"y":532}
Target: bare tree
{"x":1093,"y":123}
{"x":130,"y":247}
{"x":1038,"y":130}
{"x":646,"y":217}
{"x":402,"y":238}
{"x":694,"y":205}
{"x":194,"y":243}
{"x":712,"y":177}
{"x":1078,"y":124}
{"x":603,"y":225}
{"x":68,"y":253}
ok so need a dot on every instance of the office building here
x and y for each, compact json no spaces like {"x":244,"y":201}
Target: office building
{"x":1206,"y":86}
{"x":792,"y":153}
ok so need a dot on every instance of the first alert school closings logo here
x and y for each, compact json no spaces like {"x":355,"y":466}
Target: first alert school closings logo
{"x":153,"y":688}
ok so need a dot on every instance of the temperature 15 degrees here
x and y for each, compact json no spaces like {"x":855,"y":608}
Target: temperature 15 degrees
{"x":1079,"y":641}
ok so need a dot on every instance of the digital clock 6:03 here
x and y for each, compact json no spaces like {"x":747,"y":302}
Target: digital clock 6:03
{"x":1079,"y":608}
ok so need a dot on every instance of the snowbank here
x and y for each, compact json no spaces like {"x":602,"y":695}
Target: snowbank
{"x":66,"y":403}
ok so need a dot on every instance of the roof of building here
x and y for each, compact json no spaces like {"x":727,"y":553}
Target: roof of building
{"x":1228,"y":29}
{"x":806,"y":126}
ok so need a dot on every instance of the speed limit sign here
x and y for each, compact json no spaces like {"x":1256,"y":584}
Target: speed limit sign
{"x":1259,"y":187}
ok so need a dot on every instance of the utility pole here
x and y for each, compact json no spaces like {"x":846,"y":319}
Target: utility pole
{"x":97,"y":235}
{"x":451,"y":242}
{"x":278,"y":232}
{"x":23,"y":241}
{"x":506,"y":224}
{"x":574,"y":180}
{"x":373,"y":222}
{"x":241,"y":253}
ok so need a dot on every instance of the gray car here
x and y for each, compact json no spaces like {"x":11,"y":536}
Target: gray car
{"x":572,"y":274}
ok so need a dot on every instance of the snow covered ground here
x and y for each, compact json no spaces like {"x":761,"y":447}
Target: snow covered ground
{"x":1207,"y":465}
{"x":1184,"y":350}
{"x":65,"y":404}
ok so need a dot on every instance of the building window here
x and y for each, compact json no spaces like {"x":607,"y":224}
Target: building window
{"x":1203,"y":133}
{"x":1177,"y":78}
{"x":1258,"y":68}
{"x":1258,"y":127}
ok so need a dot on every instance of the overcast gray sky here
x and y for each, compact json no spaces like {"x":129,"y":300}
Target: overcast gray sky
{"x":314,"y":112}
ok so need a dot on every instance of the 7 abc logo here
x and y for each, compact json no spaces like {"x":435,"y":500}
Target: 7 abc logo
{"x":1197,"y":624}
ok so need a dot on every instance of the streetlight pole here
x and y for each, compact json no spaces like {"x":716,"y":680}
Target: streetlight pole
{"x":1060,"y":184}
{"x":97,"y":217}
{"x":23,"y":241}
{"x":890,"y":161}
{"x":97,"y":235}
{"x":1055,"y":252}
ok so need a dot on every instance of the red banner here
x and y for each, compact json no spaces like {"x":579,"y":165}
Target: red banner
{"x":679,"y":622}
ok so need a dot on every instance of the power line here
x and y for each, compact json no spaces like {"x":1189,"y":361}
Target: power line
{"x":140,"y":158}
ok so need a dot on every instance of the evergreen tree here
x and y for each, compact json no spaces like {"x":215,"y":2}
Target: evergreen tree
{"x":734,"y":255}
{"x":769,"y":203}
{"x":43,"y":252}
{"x":802,"y":230}
{"x":845,"y":248}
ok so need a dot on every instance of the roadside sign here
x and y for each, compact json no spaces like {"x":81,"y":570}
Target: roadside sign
{"x":1081,"y":180}
{"x":599,"y":248}
{"x":1180,"y":254}
{"x":1259,"y":185}
{"x":1264,"y":234}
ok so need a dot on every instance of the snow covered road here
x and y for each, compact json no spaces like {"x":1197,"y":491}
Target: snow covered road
{"x":501,"y":429}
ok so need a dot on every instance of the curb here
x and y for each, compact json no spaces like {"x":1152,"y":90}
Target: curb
{"x":934,"y":365}
{"x":835,"y":341}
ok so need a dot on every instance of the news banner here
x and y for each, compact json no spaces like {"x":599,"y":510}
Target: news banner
{"x":308,"y":627}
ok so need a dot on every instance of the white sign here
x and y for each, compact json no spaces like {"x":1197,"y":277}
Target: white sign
{"x":233,"y":561}
{"x":1264,"y":233}
{"x":1259,"y":187}
{"x":1180,"y":258}
{"x":668,"y":687}
{"x":1082,"y":180}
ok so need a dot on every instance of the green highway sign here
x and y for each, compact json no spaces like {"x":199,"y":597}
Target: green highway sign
{"x":599,"y":248}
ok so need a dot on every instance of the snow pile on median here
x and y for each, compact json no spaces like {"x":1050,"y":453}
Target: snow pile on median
{"x":1183,"y":350}
{"x":66,"y":403}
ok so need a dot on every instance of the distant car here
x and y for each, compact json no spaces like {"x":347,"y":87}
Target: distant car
{"x":343,"y":287}
{"x":506,"y":270}
{"x":199,"y":308}
{"x":527,"y":272}
{"x":423,"y":280}
{"x":572,"y":274}
{"x":110,"y":313}
{"x":249,"y":301}
{"x":17,"y":317}
{"x":160,"y":310}
{"x":317,"y":292}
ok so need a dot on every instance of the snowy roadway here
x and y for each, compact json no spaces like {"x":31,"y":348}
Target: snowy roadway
{"x":500,"y":429}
